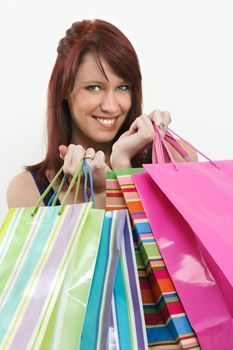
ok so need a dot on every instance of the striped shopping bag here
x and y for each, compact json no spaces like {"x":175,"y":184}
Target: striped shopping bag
{"x":167,"y":325}
{"x":68,"y":279}
{"x":114,"y":317}
{"x":37,"y":253}
{"x":43,"y":269}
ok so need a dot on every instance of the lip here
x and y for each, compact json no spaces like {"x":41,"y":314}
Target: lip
{"x":101,"y":117}
{"x":105,"y":118}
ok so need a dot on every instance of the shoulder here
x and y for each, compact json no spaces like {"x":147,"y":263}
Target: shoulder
{"x":22,"y":191}
{"x":192,"y":153}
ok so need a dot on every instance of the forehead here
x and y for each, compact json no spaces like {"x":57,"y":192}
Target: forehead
{"x":90,"y":70}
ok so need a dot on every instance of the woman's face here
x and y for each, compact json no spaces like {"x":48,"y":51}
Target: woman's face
{"x":98,"y":106}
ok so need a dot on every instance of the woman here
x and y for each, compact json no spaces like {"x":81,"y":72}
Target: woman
{"x":94,"y":111}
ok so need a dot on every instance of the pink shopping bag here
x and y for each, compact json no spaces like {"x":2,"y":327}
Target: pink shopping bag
{"x":190,"y":210}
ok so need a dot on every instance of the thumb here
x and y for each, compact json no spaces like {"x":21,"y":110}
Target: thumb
{"x":63,"y":150}
{"x":125,"y":134}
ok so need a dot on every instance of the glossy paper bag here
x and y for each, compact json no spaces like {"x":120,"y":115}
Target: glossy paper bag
{"x":190,"y":210}
{"x":167,"y":324}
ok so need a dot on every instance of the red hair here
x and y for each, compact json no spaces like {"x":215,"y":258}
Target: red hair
{"x":107,"y":41}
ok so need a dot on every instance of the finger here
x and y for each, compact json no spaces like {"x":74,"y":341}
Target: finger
{"x":166,"y":121}
{"x":148,"y":123}
{"x":136,"y":123}
{"x":63,"y":150}
{"x":68,"y":159}
{"x":156,"y":117}
{"x":144,"y":127}
{"x":72,"y":158}
{"x":101,"y":159}
{"x":125,"y":134}
{"x":98,"y":163}
{"x":161,"y":119}
{"x":99,"y":168}
{"x":77,"y":156}
{"x":166,"y":118}
{"x":89,"y":155}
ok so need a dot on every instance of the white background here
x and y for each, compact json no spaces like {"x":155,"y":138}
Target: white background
{"x":185,"y":48}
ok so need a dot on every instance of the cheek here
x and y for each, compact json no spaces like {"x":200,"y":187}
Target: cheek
{"x":127,"y":103}
{"x":86,"y":104}
{"x":79,"y":105}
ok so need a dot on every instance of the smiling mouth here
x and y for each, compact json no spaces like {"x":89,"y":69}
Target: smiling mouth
{"x":107,"y":122}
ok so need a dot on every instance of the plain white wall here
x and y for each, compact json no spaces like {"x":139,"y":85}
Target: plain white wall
{"x":186,"y":52}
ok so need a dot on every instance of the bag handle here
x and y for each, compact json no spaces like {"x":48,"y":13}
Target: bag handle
{"x":159,"y":145}
{"x":53,"y":200}
{"x":170,"y":139}
{"x":76,"y":179}
{"x":87,"y":171}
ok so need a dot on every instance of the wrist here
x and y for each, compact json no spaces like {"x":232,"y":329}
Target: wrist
{"x":120,"y":157}
{"x":100,"y":200}
{"x":120,"y":163}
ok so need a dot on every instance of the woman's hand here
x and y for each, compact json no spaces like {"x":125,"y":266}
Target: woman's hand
{"x":72,"y":156}
{"x":139,"y":136}
{"x":162,"y":119}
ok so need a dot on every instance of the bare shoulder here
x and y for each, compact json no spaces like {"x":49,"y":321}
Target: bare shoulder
{"x":187,"y":148}
{"x":22,"y":191}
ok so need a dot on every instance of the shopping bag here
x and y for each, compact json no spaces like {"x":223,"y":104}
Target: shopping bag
{"x":166,"y":322}
{"x":114,"y":318}
{"x":194,"y":204}
{"x":37,"y":249}
{"x":47,"y":268}
{"x":35,"y":255}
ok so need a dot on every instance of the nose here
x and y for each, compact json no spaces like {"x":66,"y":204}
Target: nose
{"x":109,"y":103}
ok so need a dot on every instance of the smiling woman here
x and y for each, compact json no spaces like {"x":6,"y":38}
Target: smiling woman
{"x":94,"y":110}
{"x":98,"y":106}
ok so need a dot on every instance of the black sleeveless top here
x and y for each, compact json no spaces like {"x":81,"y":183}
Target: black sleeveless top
{"x":42,"y":185}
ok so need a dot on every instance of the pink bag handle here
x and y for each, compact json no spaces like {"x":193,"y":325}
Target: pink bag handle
{"x":170,"y":139}
{"x":158,"y":148}
{"x":159,"y":145}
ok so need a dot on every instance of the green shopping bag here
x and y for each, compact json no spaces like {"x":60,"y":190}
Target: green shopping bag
{"x":41,"y":252}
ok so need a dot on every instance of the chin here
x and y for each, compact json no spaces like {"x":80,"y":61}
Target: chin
{"x":104,"y":138}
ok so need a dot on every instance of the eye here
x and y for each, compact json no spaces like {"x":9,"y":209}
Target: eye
{"x":93,"y":88}
{"x":123,"y":87}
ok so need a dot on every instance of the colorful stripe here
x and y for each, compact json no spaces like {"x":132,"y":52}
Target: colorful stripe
{"x":101,"y":282}
{"x":77,"y":285}
{"x":166,"y":322}
{"x":32,"y":270}
{"x":115,"y":296}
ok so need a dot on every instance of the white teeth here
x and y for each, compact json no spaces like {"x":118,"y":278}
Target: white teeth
{"x":106,"y":121}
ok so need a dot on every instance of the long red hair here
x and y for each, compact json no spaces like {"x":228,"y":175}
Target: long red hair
{"x":107,"y":41}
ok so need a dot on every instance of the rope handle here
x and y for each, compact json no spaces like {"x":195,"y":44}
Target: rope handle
{"x":159,"y":146}
{"x":83,"y":167}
